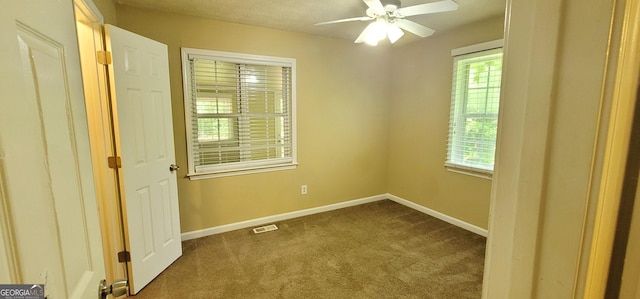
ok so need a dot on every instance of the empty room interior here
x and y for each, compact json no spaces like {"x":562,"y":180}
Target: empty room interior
{"x":369,"y":171}
{"x":372,"y":122}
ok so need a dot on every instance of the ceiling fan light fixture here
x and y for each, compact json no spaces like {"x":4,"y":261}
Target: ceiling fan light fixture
{"x":371,"y":41}
{"x":389,"y":19}
{"x":376,"y":32}
{"x":394,"y":33}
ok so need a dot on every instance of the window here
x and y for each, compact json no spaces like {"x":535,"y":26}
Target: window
{"x":475,"y":97}
{"x":239,"y":113}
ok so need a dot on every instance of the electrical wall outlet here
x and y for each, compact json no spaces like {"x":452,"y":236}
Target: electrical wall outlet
{"x":303,"y":189}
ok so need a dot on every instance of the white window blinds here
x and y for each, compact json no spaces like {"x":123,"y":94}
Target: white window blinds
{"x":473,"y":121}
{"x":239,"y":111}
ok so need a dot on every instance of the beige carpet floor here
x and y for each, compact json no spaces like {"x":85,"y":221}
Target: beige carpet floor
{"x":376,"y":250}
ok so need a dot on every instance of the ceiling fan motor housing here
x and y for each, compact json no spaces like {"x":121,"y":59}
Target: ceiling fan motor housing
{"x":390,"y":5}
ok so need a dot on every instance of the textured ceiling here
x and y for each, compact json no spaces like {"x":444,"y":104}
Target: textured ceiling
{"x":301,"y":15}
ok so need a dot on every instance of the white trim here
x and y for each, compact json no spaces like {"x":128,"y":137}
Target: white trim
{"x":234,"y":57}
{"x":92,"y":9}
{"x":279,"y":217}
{"x":476,"y":172}
{"x":210,"y":175}
{"x":454,"y":221}
{"x":285,"y":216}
{"x":494,"y":44}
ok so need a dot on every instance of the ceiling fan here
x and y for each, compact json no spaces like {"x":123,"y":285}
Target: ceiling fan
{"x":389,"y":19}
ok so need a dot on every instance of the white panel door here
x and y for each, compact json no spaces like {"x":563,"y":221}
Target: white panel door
{"x":140,"y":76}
{"x":49,"y":229}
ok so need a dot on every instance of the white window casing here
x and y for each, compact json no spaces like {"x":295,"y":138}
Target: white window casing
{"x":239,"y":113}
{"x":475,"y":98}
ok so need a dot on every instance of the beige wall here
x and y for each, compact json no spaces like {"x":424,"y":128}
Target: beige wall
{"x":107,"y":9}
{"x":342,"y":93}
{"x":419,"y":120}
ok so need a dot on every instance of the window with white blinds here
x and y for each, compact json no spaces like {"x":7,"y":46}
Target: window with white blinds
{"x":475,"y":98}
{"x":239,"y":112}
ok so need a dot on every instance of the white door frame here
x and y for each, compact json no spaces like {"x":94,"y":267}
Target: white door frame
{"x":91,"y":40}
{"x":617,"y":145}
{"x":105,"y":141}
{"x":512,"y":267}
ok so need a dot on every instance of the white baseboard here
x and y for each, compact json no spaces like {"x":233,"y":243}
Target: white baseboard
{"x":269,"y":219}
{"x":457,"y":222}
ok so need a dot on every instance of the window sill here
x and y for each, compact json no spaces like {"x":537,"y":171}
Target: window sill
{"x":476,"y":172}
{"x":226,"y":173}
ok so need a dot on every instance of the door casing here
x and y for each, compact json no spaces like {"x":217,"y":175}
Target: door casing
{"x":89,"y":26}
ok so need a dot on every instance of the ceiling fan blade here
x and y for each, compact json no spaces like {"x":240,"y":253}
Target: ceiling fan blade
{"x":414,"y":27}
{"x":346,"y":20}
{"x":433,"y":7}
{"x":376,"y":6}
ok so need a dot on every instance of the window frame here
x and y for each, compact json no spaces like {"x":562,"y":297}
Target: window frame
{"x":454,"y":113}
{"x":236,"y":168}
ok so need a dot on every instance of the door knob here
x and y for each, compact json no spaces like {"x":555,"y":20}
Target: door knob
{"x":119,"y":288}
{"x":173,"y":167}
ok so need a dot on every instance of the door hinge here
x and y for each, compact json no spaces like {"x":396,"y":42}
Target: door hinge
{"x":104,"y":57}
{"x":124,"y":256}
{"x":114,"y":162}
